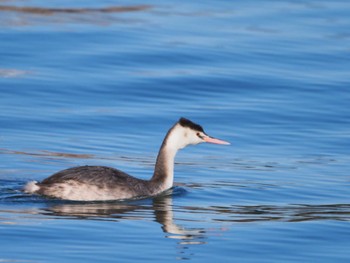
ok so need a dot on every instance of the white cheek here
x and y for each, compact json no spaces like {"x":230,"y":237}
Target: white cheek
{"x":195,"y":139}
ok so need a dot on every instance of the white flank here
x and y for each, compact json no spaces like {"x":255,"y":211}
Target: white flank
{"x":31,"y":187}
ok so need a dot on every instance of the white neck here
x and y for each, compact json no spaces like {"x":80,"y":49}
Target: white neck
{"x":163,"y":176}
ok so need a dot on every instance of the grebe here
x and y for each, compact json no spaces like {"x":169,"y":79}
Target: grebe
{"x":100,"y":183}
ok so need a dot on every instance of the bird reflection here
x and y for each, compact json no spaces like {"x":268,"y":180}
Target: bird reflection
{"x":160,"y":209}
{"x":165,"y":216}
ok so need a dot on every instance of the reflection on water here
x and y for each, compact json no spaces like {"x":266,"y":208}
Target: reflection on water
{"x":287,"y":213}
{"x":163,"y":209}
{"x":159,"y":209}
{"x":171,"y":217}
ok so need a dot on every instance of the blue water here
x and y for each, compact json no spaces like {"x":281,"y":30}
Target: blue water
{"x":84,"y":83}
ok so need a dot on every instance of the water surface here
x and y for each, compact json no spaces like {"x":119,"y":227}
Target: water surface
{"x":100,"y":83}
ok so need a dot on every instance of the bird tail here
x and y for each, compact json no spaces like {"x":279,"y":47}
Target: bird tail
{"x":31,"y":187}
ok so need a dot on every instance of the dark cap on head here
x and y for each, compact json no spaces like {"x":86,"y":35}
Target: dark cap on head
{"x":187,"y":123}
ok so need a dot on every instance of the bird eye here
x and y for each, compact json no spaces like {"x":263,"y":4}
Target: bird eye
{"x":199,"y":135}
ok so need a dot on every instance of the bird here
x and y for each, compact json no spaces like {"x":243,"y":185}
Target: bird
{"x":102,"y":183}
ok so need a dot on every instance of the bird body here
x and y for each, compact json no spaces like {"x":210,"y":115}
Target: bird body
{"x":100,"y":183}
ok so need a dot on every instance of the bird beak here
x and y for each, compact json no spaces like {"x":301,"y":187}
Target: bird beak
{"x":214,"y":140}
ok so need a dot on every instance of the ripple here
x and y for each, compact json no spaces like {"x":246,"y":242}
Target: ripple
{"x":13,"y":73}
{"x":283,"y":213}
{"x":28,"y":15}
{"x":45,"y":153}
{"x":11,"y":193}
{"x":50,"y":11}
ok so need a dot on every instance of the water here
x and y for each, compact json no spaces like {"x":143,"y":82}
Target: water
{"x":85,"y":83}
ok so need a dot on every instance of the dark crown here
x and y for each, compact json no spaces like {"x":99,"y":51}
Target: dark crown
{"x":187,"y":123}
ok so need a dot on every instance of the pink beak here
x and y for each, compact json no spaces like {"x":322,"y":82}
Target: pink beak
{"x":214,"y":140}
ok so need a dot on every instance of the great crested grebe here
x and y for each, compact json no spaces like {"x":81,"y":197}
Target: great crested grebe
{"x":100,"y":183}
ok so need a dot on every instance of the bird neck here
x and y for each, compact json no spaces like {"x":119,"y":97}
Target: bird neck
{"x":163,"y":176}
